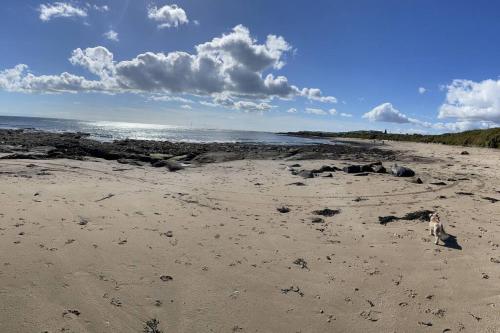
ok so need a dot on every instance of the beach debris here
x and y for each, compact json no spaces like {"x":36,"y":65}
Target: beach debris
{"x":82,"y":220}
{"x":152,"y":326}
{"x":166,"y":278}
{"x":425,"y":323}
{"x":400,"y":171}
{"x":301,"y":263}
{"x":418,"y":181}
{"x":71,"y":311}
{"x":297,"y":184}
{"x":490,"y":199}
{"x":110,"y":195}
{"x":327,"y":212}
{"x":116,"y":302}
{"x":292,"y":289}
{"x":283,"y":209}
{"x":317,"y":220}
{"x":422,"y":215}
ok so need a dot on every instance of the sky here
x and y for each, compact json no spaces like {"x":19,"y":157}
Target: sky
{"x":406,"y":66}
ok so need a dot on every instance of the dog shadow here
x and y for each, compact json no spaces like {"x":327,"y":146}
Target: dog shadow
{"x":452,"y":243}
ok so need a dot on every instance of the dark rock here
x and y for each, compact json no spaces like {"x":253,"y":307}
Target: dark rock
{"x":297,"y":184}
{"x":400,"y":171}
{"x":352,"y":169}
{"x":378,"y":168}
{"x":317,"y":220}
{"x":361,"y":174}
{"x":159,"y":164}
{"x":327,"y":212}
{"x":418,"y":181}
{"x":301,"y":262}
{"x":173,"y":165}
{"x":465,"y":152}
{"x":166,"y":278}
{"x":490,"y":199}
{"x":438,"y":183}
{"x":306,"y":174}
{"x":283,"y":209}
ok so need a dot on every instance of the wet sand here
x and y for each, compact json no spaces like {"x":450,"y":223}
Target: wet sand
{"x":99,"y":246}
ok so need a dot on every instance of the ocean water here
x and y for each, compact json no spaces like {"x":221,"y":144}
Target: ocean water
{"x":109,"y":131}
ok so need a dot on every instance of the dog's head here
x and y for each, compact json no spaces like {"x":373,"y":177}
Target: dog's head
{"x":434,"y":216}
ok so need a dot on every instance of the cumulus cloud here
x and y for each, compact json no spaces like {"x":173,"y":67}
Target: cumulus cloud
{"x":229,"y":68}
{"x":347,"y":115}
{"x":422,"y":90}
{"x":186,"y":107}
{"x":292,"y":110}
{"x":168,"y":16}
{"x":316,"y":95}
{"x":60,"y":9}
{"x":472,"y":101}
{"x":386,"y":113}
{"x":111,"y":35}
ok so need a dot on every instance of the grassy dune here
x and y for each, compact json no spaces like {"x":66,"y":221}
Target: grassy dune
{"x":481,"y":138}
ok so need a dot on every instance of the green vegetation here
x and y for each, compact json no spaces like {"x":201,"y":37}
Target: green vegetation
{"x":481,"y":138}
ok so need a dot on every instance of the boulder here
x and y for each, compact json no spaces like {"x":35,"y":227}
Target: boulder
{"x":378,"y":168}
{"x":352,"y":169}
{"x":173,"y":165}
{"x":306,"y":174}
{"x":400,"y":171}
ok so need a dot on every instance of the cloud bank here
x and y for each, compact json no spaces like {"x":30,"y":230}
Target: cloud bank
{"x":226,"y":68}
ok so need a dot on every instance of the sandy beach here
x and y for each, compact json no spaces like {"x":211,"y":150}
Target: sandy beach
{"x":94,"y":245}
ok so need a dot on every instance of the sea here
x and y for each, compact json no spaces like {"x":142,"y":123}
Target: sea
{"x":107,"y":131}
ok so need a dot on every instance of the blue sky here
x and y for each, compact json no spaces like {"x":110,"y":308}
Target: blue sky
{"x":405,"y":66}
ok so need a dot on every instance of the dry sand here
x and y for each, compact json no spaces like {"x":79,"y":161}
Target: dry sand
{"x":95,"y":246}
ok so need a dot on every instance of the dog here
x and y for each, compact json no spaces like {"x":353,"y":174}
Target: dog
{"x":436,"y":228}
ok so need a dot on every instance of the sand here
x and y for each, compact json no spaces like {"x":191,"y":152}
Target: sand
{"x":97,"y":246}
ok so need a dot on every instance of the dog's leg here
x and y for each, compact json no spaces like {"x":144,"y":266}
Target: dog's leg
{"x":437,"y":239}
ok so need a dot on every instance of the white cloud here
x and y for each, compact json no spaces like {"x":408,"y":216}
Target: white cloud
{"x":169,"y":98}
{"x":386,"y":113}
{"x":168,"y":16}
{"x":472,"y":101}
{"x":348,"y":115}
{"x":103,"y":8}
{"x":111,"y":35}
{"x":316,"y":95}
{"x":332,"y":112}
{"x":60,"y":9}
{"x":186,"y":107}
{"x":316,"y":111}
{"x":229,"y":68}
{"x":422,"y":90}
{"x":292,"y":110}
{"x":461,"y":126}
{"x":196,"y":22}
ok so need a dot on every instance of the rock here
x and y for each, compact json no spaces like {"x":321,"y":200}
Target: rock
{"x":418,"y":181}
{"x":283,"y":209}
{"x":378,"y":168}
{"x":352,"y":169}
{"x":159,"y":164}
{"x":165,"y":278}
{"x":327,"y":212}
{"x":327,"y":168}
{"x":173,"y":165}
{"x":317,"y":220}
{"x":438,"y":183}
{"x":465,"y":152}
{"x":399,"y":171}
{"x":306,"y":174}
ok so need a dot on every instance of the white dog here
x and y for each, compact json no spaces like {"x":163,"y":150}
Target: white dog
{"x":436,"y":228}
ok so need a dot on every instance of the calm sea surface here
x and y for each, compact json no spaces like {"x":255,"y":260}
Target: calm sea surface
{"x":109,"y":131}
